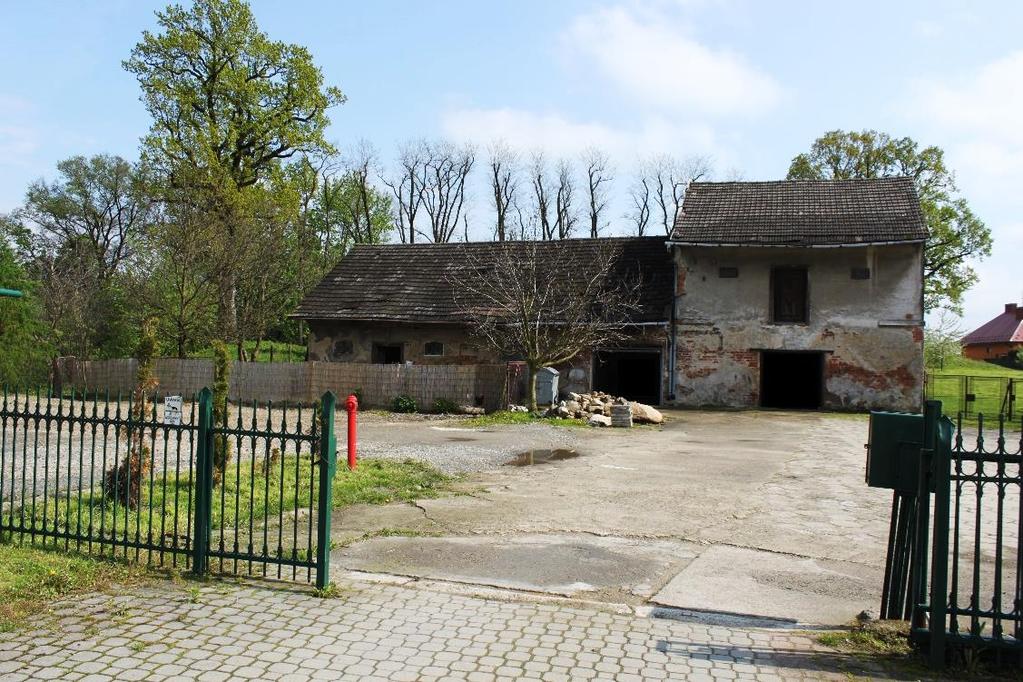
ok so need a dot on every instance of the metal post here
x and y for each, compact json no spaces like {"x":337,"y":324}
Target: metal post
{"x":352,"y":406}
{"x":204,"y":484}
{"x":918,"y":572}
{"x":328,"y":456}
{"x":939,"y":565}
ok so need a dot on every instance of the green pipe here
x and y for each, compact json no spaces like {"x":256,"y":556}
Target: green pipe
{"x":13,"y":293}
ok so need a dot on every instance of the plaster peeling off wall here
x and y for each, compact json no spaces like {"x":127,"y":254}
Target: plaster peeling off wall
{"x":869,"y":330}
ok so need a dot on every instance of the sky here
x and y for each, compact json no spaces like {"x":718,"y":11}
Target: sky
{"x":748,"y":83}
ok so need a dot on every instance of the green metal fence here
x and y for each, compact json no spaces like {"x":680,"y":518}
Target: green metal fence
{"x":108,"y":476}
{"x":975,"y":395}
{"x":966,"y":564}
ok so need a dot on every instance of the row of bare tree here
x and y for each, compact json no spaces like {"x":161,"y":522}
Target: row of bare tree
{"x":531,"y":196}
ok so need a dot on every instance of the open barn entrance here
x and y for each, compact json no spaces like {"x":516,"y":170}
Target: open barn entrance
{"x":791,"y":380}
{"x":632,"y":374}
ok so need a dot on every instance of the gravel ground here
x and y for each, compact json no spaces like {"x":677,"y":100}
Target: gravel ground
{"x":454,"y":448}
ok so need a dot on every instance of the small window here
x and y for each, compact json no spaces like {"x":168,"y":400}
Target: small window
{"x":728,"y":273}
{"x":434,"y":348}
{"x":789,"y":295}
{"x":860,"y":273}
{"x":341,"y":348}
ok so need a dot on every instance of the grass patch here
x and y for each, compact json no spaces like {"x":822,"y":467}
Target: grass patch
{"x":282,"y":352}
{"x":247,"y":495}
{"x":882,"y":637}
{"x":504,"y":417}
{"x":30,"y":578}
{"x":959,"y":365}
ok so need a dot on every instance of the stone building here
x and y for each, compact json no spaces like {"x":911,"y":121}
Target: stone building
{"x":800,"y":294}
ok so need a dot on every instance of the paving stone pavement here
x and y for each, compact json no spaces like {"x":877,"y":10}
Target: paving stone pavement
{"x":373,"y":631}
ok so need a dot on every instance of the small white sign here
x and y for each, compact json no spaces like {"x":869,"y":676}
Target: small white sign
{"x":172,"y":410}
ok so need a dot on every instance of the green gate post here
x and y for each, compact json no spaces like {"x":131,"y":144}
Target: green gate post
{"x":939,"y":565}
{"x":919,"y":573}
{"x":203,"y":484}
{"x":328,"y":464}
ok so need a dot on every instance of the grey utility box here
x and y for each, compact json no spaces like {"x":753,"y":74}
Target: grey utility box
{"x":547,"y":386}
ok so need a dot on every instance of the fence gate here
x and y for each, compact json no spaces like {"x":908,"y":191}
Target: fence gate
{"x":956,"y":571}
{"x":242,"y":488}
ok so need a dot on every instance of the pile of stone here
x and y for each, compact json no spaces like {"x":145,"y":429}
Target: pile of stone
{"x":602,"y":409}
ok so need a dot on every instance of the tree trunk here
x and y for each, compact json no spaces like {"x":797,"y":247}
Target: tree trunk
{"x":531,"y":391}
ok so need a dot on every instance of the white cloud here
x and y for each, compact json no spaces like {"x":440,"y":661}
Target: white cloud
{"x":650,"y":57}
{"x":978,"y":113}
{"x":562,"y":137}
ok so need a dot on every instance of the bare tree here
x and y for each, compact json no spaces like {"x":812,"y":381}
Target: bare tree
{"x":541,"y":195}
{"x":519,"y":303}
{"x":640,"y":196}
{"x":669,"y":177}
{"x":504,"y":182}
{"x":598,"y":180}
{"x":447,"y":170}
{"x":409,"y":188}
{"x":564,"y":198}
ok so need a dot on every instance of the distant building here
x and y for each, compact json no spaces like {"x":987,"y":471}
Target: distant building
{"x":997,"y":339}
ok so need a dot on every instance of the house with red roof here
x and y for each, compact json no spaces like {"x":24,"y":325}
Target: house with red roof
{"x":999,"y":338}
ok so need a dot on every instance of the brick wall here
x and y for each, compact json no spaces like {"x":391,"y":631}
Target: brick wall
{"x":301,"y":381}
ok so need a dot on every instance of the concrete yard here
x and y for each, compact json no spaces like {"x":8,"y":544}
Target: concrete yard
{"x":753,"y":513}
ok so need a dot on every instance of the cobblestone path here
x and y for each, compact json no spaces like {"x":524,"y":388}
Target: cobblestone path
{"x":374,"y":631}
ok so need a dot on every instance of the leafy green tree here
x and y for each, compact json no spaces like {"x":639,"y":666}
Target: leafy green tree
{"x":228,"y":105}
{"x":23,"y":336}
{"x":76,"y":236}
{"x":956,"y":233}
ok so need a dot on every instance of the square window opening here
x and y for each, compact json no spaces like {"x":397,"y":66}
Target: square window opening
{"x":433,"y":348}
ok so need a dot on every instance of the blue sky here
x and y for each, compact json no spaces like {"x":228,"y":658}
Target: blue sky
{"x":748,"y":83}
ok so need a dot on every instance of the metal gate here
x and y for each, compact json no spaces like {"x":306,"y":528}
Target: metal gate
{"x":169,"y":487}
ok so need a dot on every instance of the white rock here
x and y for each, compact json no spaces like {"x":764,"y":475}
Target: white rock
{"x":645,"y":414}
{"x":599,"y":420}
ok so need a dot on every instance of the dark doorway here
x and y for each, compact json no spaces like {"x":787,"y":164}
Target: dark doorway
{"x":791,"y":380}
{"x":387,"y":354}
{"x":632,"y":374}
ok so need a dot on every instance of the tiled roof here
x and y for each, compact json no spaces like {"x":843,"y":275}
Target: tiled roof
{"x":1006,"y":328}
{"x":801,"y":213}
{"x":414,"y":282}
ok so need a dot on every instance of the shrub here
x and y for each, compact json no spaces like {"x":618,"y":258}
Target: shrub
{"x":445,"y":406}
{"x":358,"y":395}
{"x":404,"y":403}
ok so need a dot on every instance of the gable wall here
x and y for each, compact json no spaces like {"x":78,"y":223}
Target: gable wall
{"x":871,"y":330}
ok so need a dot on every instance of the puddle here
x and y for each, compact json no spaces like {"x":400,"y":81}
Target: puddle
{"x":531,"y":457}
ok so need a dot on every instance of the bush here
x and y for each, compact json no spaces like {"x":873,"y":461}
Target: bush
{"x":358,"y":395}
{"x":445,"y":406}
{"x":404,"y":403}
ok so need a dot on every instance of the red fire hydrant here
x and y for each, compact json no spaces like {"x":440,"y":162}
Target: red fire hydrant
{"x":352,"y":405}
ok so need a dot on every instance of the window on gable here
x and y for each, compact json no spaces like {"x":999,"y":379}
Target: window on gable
{"x":860,"y":273}
{"x":433,"y":348}
{"x":790,"y":303}
{"x":728,"y":272}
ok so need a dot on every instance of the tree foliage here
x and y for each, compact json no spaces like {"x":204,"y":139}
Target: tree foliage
{"x":956,"y":234}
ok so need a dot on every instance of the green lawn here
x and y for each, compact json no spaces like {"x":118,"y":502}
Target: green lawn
{"x":246,"y":495}
{"x":960,"y":365}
